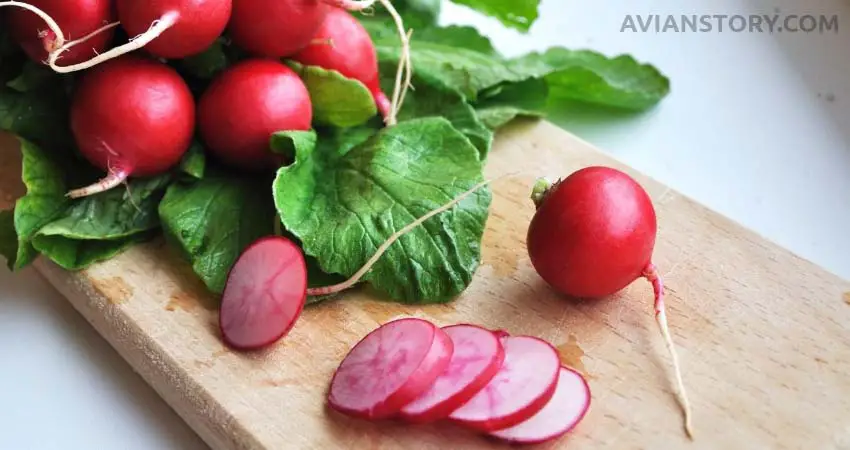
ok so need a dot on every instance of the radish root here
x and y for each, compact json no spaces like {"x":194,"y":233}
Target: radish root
{"x":651,"y":274}
{"x":352,"y":5}
{"x":157,"y":28}
{"x":113,"y":179}
{"x":404,"y":74}
{"x":59,"y":39}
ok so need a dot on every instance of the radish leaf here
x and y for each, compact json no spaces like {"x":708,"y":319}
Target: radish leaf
{"x":517,"y":14}
{"x":214,"y":219}
{"x":337,"y":101}
{"x":39,"y":116}
{"x":288,"y":143}
{"x":8,"y":238}
{"x":194,"y":162}
{"x":350,"y":194}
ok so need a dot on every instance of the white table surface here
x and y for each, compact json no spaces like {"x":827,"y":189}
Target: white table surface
{"x":757,"y":127}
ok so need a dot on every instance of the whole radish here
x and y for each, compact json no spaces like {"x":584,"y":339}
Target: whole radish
{"x":168,"y":29}
{"x":245,"y":105}
{"x":592,"y":235}
{"x":342,"y":44}
{"x":74,"y":18}
{"x":131,"y":116}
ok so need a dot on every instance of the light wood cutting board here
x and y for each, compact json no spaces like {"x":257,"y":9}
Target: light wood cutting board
{"x":763,"y":336}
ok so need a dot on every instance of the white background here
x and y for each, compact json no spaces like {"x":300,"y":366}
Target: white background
{"x":756,"y":127}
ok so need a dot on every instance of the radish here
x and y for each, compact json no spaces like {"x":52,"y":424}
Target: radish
{"x":342,"y":44}
{"x":478,"y":356}
{"x":40,"y":27}
{"x":273,"y":269}
{"x":245,"y":105}
{"x":592,"y":235}
{"x":131,"y":116}
{"x":168,"y":29}
{"x":524,"y":384}
{"x":564,"y":411}
{"x":389,"y":368}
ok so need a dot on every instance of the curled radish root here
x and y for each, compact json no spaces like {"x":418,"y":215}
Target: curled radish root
{"x":352,"y":5}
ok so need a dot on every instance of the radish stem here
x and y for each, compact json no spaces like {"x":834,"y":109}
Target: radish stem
{"x":651,"y":274}
{"x":157,"y":28}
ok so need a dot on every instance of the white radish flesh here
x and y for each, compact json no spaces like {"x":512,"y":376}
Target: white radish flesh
{"x":564,"y":411}
{"x":389,"y":368}
{"x":265,"y":294}
{"x":477,"y":357}
{"x":522,"y":387}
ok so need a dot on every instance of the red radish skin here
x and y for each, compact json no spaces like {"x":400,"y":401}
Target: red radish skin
{"x":564,"y":411}
{"x":392,"y":366}
{"x":131,"y":116}
{"x":478,"y":355}
{"x":524,"y":384}
{"x":264,"y":295}
{"x":342,"y":44}
{"x":167,"y":29}
{"x":592,"y":235}
{"x":75,"y":19}
{"x":275,"y":28}
{"x":245,"y":105}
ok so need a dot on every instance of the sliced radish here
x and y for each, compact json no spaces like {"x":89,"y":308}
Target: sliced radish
{"x":563,"y":412}
{"x":264,"y":295}
{"x":522,"y":387}
{"x":477,"y":357}
{"x":389,"y":368}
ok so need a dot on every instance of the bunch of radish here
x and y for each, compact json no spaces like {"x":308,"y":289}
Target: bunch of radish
{"x":512,"y":388}
{"x":134,"y":116}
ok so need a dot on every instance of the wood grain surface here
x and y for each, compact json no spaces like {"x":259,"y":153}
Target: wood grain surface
{"x":763,"y":335}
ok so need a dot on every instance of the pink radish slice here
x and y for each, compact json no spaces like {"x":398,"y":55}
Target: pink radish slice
{"x":389,"y":368}
{"x":522,"y":387}
{"x":265,"y":294}
{"x":564,"y":411}
{"x":477,"y":357}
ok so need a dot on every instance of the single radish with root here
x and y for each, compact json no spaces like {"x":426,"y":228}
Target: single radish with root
{"x":247,"y":103}
{"x":478,"y":356}
{"x":131,"y":116}
{"x":525,"y":383}
{"x":41,"y":27}
{"x":562,"y":413}
{"x":342,"y":44}
{"x":167,"y":29}
{"x":592,"y":235}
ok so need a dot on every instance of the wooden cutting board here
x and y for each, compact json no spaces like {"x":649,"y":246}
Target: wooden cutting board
{"x":763,"y":335}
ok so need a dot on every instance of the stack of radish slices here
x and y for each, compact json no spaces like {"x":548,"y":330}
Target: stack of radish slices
{"x":510,"y":387}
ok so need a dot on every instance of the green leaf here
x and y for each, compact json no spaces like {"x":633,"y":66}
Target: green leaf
{"x":73,"y":254}
{"x":517,"y":14}
{"x":504,"y":103}
{"x":213,"y":220}
{"x":337,"y":101}
{"x":459,"y":36}
{"x":207,"y":64}
{"x":288,"y":143}
{"x":32,"y":77}
{"x":593,"y":78}
{"x":348,"y":196}
{"x":40,"y":116}
{"x":194,"y":162}
{"x":45,"y":198}
{"x":8,"y":238}
{"x":432,"y":98}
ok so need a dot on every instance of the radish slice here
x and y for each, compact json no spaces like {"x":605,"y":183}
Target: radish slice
{"x":563,"y":412}
{"x":522,"y":387}
{"x":477,"y":357}
{"x":265,"y":294}
{"x":389,"y":368}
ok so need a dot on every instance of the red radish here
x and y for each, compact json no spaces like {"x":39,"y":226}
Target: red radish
{"x":131,"y":116}
{"x":265,"y":294}
{"x":168,"y":29}
{"x":245,"y":105}
{"x":478,"y":356}
{"x":592,"y":235}
{"x":389,"y":368}
{"x":342,"y":44}
{"x":66,"y":19}
{"x":564,"y":411}
{"x":522,"y":387}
